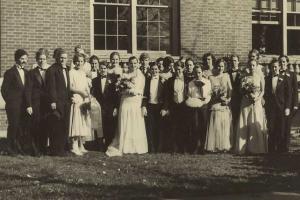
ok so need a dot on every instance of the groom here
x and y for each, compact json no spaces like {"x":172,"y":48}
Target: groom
{"x":104,"y":90}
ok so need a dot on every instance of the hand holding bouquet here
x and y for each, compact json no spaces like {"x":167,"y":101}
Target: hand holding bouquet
{"x":249,"y":89}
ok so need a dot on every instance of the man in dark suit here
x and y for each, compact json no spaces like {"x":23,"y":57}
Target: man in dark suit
{"x":152,"y":105}
{"x":13,"y":92}
{"x":236,"y":96}
{"x":293,"y":89}
{"x":104,"y":90}
{"x":174,"y":102}
{"x":278,"y":101}
{"x":58,"y":87}
{"x":37,"y":102}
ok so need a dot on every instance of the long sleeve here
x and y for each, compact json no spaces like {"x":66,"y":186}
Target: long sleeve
{"x":51,"y":84}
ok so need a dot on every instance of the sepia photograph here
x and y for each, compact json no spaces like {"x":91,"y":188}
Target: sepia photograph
{"x":150,"y":99}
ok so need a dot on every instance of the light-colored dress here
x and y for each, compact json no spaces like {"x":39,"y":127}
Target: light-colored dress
{"x":219,"y":131}
{"x":80,"y":120}
{"x":131,"y":133}
{"x":251,"y":136}
{"x":115,"y":70}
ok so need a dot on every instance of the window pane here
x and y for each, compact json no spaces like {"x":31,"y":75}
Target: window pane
{"x":99,"y":42}
{"x":112,"y":1}
{"x":124,"y":1}
{"x":290,"y":19}
{"x":266,"y":38}
{"x":111,"y":12}
{"x":141,"y":14}
{"x":293,"y":42}
{"x":142,"y":28}
{"x":154,"y":43}
{"x":99,"y":27}
{"x":153,"y":2}
{"x":255,"y":4}
{"x":111,"y":28}
{"x":164,"y":14}
{"x":297,"y":5}
{"x":164,"y":29}
{"x":99,"y":12}
{"x":165,"y":44}
{"x":123,"y":28}
{"x":164,"y":2}
{"x":289,"y":5}
{"x":275,"y":5}
{"x":111,"y":42}
{"x":264,"y":4}
{"x":123,"y":12}
{"x":153,"y":29}
{"x":142,"y":43}
{"x":142,"y":2}
{"x":153,"y":14}
{"x":297,"y":20}
{"x":123,"y":43}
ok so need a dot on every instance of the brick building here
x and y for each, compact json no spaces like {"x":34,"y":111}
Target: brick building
{"x":161,"y":27}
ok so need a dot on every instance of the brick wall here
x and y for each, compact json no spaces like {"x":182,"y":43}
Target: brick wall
{"x":48,"y":23}
{"x":218,"y":26}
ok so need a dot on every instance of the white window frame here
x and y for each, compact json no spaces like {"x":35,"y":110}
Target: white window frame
{"x":124,"y":53}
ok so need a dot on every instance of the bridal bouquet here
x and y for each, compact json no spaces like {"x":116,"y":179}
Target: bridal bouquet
{"x":249,"y":89}
{"x":219,"y":93}
{"x":123,"y":84}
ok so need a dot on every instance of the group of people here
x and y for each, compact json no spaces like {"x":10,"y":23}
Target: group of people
{"x":141,"y":106}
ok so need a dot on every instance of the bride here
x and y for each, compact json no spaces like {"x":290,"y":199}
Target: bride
{"x":131,"y":134}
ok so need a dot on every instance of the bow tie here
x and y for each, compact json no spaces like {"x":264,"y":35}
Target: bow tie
{"x":154,"y":77}
{"x":20,"y":67}
{"x":275,"y":75}
{"x":42,"y":69}
{"x":103,"y":76}
{"x":234,"y":70}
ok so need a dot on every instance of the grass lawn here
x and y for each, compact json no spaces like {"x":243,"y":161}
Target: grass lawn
{"x":150,"y":176}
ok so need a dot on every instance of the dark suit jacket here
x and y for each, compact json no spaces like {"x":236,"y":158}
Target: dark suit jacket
{"x":147,"y":91}
{"x":36,"y":93}
{"x":58,"y":92}
{"x":169,"y":93}
{"x":281,"y":99}
{"x":109,"y":99}
{"x":292,"y":79}
{"x":236,"y":95}
{"x":13,"y":90}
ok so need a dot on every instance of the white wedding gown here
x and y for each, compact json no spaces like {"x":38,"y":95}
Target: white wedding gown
{"x":131,"y":133}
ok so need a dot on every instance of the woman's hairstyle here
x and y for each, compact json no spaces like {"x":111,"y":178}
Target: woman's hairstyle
{"x":113,"y":54}
{"x":77,"y":56}
{"x":221,"y":60}
{"x":144,"y":56}
{"x":253,"y":51}
{"x":178,"y":64}
{"x":198,"y":66}
{"x":56,"y":52}
{"x":41,"y":51}
{"x":132,"y":58}
{"x":159,"y":59}
{"x":167,"y":61}
{"x":94,"y":57}
{"x":204,"y":59}
{"x":284,"y":56}
{"x":19,"y":53}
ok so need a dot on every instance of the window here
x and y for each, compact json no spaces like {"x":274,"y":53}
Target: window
{"x":153,"y":28}
{"x":266,"y":26}
{"x":293,"y":27}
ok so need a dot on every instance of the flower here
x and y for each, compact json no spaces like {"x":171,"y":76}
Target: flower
{"x":218,"y":93}
{"x":249,"y":89}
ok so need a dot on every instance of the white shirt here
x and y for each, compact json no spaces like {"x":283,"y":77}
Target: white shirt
{"x":274,"y":83}
{"x":65,"y":76}
{"x":21,"y":74}
{"x":154,"y":90}
{"x":43,"y":73}
{"x":178,"y":90}
{"x":204,"y":92}
{"x":103,"y":81}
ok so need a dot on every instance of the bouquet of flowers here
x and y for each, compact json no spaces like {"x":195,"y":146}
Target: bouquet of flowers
{"x":124,"y":84}
{"x":249,"y":89}
{"x":85,"y":107}
{"x":219,"y":93}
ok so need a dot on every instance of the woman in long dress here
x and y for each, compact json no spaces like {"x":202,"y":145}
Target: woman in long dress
{"x":131,"y":133}
{"x":251,"y":134}
{"x":219,"y":129}
{"x":80,"y":121}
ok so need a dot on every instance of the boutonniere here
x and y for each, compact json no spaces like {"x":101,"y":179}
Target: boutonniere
{"x":280,"y":79}
{"x":287,"y":74}
{"x":109,"y":81}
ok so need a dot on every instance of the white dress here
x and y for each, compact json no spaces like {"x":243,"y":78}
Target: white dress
{"x":251,"y":136}
{"x":80,"y":120}
{"x":131,"y":133}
